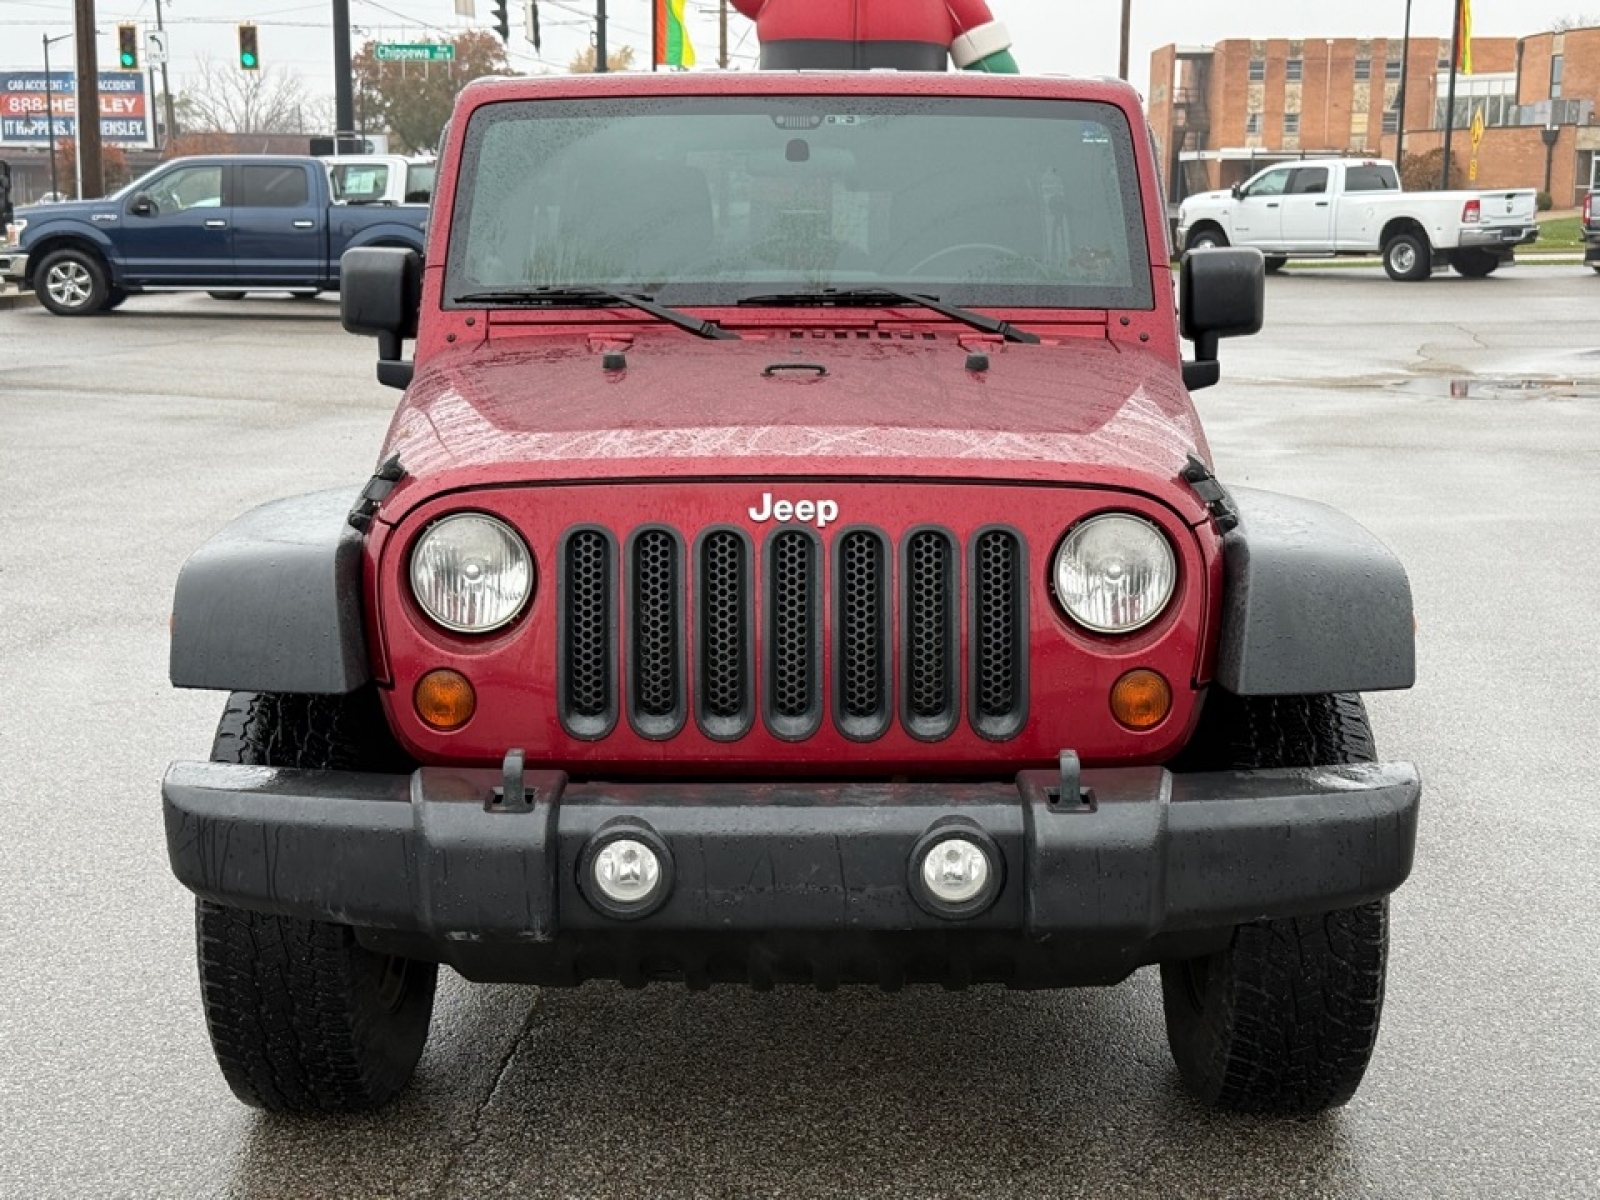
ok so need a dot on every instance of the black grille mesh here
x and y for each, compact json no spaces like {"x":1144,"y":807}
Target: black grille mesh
{"x":588,"y":581}
{"x":793,"y":652}
{"x":723,"y":607}
{"x":997,"y":650}
{"x":656,"y":624}
{"x":932,"y":691}
{"x":928,"y":620}
{"x":861,"y":620}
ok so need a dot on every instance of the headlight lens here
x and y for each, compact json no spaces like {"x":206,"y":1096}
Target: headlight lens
{"x":1115,"y":573}
{"x":471,"y":573}
{"x":14,"y":231}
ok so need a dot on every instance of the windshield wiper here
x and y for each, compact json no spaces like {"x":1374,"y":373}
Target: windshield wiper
{"x":533,"y":297}
{"x":883,"y":295}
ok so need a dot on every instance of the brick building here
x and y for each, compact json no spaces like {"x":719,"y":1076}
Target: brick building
{"x":1222,"y":112}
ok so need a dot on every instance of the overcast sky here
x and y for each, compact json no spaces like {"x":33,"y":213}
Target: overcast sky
{"x":1078,"y":37}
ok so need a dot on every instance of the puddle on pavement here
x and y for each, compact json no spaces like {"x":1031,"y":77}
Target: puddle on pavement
{"x":1501,"y":387}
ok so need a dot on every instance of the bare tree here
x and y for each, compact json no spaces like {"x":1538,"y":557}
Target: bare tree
{"x":223,"y":98}
{"x":1581,"y":21}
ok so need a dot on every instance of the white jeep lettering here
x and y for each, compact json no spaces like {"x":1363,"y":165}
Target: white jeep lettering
{"x":823,"y":512}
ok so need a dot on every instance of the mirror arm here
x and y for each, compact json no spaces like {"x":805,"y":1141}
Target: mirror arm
{"x":1203,"y":370}
{"x":393,"y":371}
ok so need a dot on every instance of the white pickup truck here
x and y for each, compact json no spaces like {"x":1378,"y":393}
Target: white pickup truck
{"x":1319,"y":208}
{"x":380,"y":178}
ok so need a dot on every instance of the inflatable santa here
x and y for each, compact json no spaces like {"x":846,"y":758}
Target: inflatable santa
{"x":905,"y":35}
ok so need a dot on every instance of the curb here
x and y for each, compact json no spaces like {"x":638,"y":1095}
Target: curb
{"x":10,"y":299}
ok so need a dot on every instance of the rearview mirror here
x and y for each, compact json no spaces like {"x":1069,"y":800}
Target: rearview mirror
{"x":1221,"y":293}
{"x":141,"y":205}
{"x":380,"y":293}
{"x":1238,"y":191}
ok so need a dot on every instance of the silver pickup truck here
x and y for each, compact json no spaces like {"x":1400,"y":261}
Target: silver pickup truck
{"x":1321,"y":208}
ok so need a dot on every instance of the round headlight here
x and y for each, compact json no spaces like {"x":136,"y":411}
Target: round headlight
{"x":1115,"y":573}
{"x":471,"y":573}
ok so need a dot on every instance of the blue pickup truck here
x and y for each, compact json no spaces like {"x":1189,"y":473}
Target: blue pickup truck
{"x":224,"y":224}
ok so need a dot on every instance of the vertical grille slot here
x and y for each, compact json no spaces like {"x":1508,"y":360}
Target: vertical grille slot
{"x":587,"y":623}
{"x":861,"y":635}
{"x":724,"y":617}
{"x":928,"y":618}
{"x":793,"y":629}
{"x":655,"y":657}
{"x":998,"y":630}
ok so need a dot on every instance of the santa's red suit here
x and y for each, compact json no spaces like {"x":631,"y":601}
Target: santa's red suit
{"x":909,"y":35}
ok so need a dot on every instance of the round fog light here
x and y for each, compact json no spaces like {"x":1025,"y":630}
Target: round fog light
{"x":626,"y":872}
{"x":955,"y":871}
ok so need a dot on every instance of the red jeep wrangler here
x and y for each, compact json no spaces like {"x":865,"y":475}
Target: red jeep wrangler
{"x":794,"y":559}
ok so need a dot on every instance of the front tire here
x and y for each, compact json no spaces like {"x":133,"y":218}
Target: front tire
{"x":1208,"y":237}
{"x":1408,"y":258}
{"x":302,"y":1017}
{"x":72,"y":283}
{"x":1285,"y":1019}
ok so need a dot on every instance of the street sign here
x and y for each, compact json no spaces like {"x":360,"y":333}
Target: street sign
{"x":155,"y":47}
{"x":1477,"y":128}
{"x":414,"y":52}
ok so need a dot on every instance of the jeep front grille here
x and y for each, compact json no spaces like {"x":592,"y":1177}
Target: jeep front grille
{"x":697,"y":602}
{"x":588,"y":633}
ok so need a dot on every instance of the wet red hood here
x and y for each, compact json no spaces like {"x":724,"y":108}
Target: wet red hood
{"x":900,"y":405}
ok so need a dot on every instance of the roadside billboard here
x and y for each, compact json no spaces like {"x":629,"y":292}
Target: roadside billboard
{"x":24,"y":100}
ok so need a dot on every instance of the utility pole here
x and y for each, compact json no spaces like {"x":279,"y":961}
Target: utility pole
{"x":1127,"y":22}
{"x":1450,"y":102}
{"x":1400,"y":100}
{"x":600,"y":64}
{"x":166,"y":86}
{"x":91,"y":182}
{"x":344,"y":108}
{"x":50,"y":109}
{"x":722,"y":32}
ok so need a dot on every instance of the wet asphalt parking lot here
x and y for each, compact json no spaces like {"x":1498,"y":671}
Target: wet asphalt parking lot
{"x":126,"y":440}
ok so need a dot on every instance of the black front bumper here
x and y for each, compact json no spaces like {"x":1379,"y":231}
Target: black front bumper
{"x":806,"y":882}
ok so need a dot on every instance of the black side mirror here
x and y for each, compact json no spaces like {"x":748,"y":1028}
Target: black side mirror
{"x":141,"y":205}
{"x":1238,"y":191}
{"x":1221,"y":293}
{"x":380,"y":294}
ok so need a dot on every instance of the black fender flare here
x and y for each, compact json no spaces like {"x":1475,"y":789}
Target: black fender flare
{"x":272,"y":603}
{"x":1312,"y":603}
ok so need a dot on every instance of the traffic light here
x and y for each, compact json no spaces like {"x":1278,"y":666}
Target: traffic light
{"x":502,"y":21}
{"x":128,"y":47}
{"x":249,"y":58}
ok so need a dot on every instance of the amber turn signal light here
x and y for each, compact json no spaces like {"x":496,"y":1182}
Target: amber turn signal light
{"x":444,"y":699}
{"x":1141,"y":699}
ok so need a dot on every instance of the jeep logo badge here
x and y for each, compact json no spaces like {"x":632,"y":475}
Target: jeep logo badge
{"x":820,"y":511}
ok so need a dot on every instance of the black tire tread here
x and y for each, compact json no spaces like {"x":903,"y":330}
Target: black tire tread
{"x":1285,"y":1020}
{"x":298,"y":1019}
{"x":292,"y":1010}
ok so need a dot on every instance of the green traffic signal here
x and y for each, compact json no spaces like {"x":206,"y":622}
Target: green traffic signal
{"x":128,"y":47}
{"x":249,"y":58}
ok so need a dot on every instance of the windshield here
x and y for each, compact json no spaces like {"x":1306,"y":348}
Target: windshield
{"x":712,"y":200}
{"x":359,"y":182}
{"x":419,"y":181}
